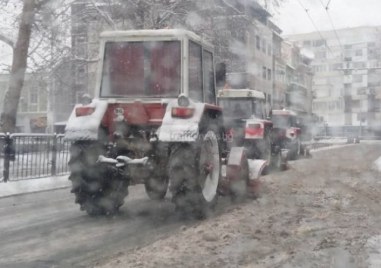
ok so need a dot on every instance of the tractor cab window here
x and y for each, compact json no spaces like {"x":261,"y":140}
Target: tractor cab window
{"x":141,"y":69}
{"x":259,"y":108}
{"x":281,"y":121}
{"x":295,"y":122}
{"x":195,"y":72}
{"x":237,"y":108}
{"x":209,"y":89}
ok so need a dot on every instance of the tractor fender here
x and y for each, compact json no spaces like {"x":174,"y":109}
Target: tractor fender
{"x":256,"y":168}
{"x":235,"y":161}
{"x":177,"y":129}
{"x":85,"y":126}
{"x":233,"y":167}
{"x":231,"y":170}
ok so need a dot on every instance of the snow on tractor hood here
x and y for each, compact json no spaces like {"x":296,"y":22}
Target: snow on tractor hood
{"x":85,"y":127}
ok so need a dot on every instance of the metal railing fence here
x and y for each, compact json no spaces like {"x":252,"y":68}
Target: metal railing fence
{"x":26,"y":156}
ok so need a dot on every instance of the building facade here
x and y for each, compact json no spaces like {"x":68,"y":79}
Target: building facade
{"x":32,"y":109}
{"x":347,"y":81}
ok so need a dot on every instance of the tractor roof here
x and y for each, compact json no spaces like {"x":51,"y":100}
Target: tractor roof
{"x":284,"y":112}
{"x":175,"y":34}
{"x":241,"y":93}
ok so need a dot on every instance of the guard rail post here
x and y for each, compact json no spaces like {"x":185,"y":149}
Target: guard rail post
{"x":9,"y":155}
{"x":54,"y":155}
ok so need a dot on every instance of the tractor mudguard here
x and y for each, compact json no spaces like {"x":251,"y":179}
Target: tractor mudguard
{"x":181,"y":129}
{"x":84,"y":121}
{"x":256,"y":168}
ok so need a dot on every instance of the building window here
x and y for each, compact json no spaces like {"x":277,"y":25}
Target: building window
{"x":269,"y":50}
{"x":358,"y":52}
{"x":359,"y":65}
{"x":33,"y":96}
{"x":264,"y":46}
{"x":307,"y":43}
{"x":321,"y":55}
{"x":318,"y":43}
{"x":361,"y":91}
{"x":258,"y":42}
{"x":336,"y":66}
{"x":269,"y":74}
{"x":264,"y":70}
{"x":348,"y":59}
{"x":357,"y":78}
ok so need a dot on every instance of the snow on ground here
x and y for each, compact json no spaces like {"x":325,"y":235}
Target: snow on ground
{"x":377,"y":164}
{"x":373,"y":247}
{"x":33,"y":185}
{"x":322,"y":212}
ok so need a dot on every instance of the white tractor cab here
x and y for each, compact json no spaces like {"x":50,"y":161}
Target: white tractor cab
{"x":287,"y":132}
{"x":245,"y":121}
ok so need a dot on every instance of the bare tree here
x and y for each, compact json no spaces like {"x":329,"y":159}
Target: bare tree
{"x":33,"y":17}
{"x":19,"y":65}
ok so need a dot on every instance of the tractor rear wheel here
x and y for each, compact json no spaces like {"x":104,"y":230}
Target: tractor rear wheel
{"x":295,"y":148}
{"x":156,"y":187}
{"x":194,"y":173}
{"x":98,"y":188}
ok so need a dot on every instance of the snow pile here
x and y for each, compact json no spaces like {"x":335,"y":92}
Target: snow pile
{"x":376,"y":166}
{"x":33,"y":185}
{"x":373,"y":247}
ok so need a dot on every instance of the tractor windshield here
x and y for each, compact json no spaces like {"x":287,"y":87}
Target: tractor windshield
{"x":237,"y":108}
{"x":141,"y":69}
{"x":282,"y":121}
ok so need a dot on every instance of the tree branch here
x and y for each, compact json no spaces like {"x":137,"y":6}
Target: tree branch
{"x":7,"y":41}
{"x":104,"y":15}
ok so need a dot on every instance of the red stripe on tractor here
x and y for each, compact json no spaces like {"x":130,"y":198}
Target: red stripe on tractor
{"x":254,"y":131}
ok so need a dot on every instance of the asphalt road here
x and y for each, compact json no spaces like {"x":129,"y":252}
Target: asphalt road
{"x":321,"y":212}
{"x":47,"y":229}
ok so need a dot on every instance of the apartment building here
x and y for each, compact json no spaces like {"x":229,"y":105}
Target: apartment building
{"x":347,"y":81}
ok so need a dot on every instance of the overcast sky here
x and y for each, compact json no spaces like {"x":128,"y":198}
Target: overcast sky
{"x":292,"y":18}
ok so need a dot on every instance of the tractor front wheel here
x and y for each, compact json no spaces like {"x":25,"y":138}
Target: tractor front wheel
{"x":156,"y":187}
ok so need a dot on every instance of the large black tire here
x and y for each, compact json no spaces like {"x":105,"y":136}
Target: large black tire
{"x":295,"y":148}
{"x":98,"y":188}
{"x":156,"y":187}
{"x":194,"y":172}
{"x":265,"y":149}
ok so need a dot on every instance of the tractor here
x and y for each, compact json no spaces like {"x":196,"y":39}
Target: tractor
{"x":247,"y":124}
{"x":287,"y":132}
{"x":154,"y":121}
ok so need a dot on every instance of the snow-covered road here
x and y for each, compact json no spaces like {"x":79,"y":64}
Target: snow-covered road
{"x":322,"y":211}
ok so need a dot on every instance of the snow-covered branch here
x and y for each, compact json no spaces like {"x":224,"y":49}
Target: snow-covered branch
{"x":7,"y":40}
{"x":104,"y":15}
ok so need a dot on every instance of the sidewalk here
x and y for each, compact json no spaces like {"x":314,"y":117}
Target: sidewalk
{"x":33,"y":185}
